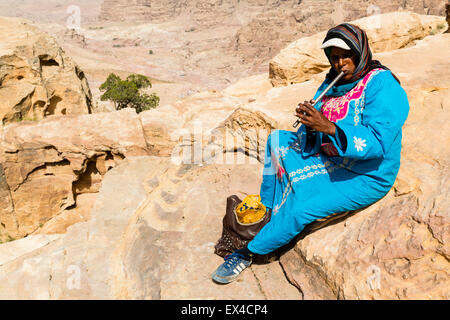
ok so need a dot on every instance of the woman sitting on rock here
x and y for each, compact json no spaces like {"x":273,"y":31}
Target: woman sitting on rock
{"x":345,"y":156}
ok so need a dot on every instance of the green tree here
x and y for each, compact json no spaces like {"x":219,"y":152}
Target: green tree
{"x":126,"y":93}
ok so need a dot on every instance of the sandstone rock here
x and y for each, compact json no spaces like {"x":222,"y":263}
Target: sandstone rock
{"x":200,"y":13}
{"x":270,"y":31}
{"x":304,"y":58}
{"x":381,"y":253}
{"x":447,"y":14}
{"x":204,"y":136}
{"x":46,"y":166}
{"x":138,"y":245}
{"x":37,"y":78}
{"x":79,"y":213}
{"x":245,"y":132}
{"x":73,"y":36}
{"x":239,"y":11}
{"x":276,"y":103}
{"x":159,"y":125}
{"x":249,"y":88}
{"x":244,"y":34}
{"x":155,"y":11}
{"x":15,"y":249}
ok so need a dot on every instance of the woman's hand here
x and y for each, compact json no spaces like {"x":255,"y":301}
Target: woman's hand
{"x":313,"y":119}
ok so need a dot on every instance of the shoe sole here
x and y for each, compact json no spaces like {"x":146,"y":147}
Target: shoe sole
{"x":222,"y":280}
{"x":228,"y":279}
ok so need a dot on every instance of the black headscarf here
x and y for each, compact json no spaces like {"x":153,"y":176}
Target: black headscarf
{"x":357,"y":40}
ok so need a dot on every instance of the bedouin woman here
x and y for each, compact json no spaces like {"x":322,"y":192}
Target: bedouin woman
{"x":345,"y":155}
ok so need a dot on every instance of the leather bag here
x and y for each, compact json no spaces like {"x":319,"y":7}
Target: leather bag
{"x":236,"y":235}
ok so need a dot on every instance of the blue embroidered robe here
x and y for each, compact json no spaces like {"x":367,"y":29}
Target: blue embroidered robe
{"x":310,"y":175}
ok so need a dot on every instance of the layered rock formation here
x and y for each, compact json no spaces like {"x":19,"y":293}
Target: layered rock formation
{"x":151,"y":236}
{"x":386,"y":32}
{"x":211,"y":12}
{"x":141,"y":10}
{"x":155,"y":219}
{"x":37,"y":78}
{"x":262,"y":28}
{"x":187,"y":37}
{"x":48,"y":166}
{"x":447,"y":13}
{"x":201,"y":13}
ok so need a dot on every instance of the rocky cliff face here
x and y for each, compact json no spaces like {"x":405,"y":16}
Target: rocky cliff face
{"x":138,"y":222}
{"x":48,"y":166}
{"x":37,"y":78}
{"x":213,"y":12}
{"x":263,"y":26}
{"x":447,"y":13}
{"x":201,"y":13}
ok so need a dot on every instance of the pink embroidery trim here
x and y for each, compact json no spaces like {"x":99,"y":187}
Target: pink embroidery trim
{"x":336,"y":108}
{"x":329,"y":149}
{"x":280,"y":172}
{"x":278,"y":167}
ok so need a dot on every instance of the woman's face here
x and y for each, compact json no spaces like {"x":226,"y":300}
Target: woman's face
{"x":343,"y":60}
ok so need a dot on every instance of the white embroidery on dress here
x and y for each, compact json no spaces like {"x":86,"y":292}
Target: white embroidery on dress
{"x":305,"y":169}
{"x":361,"y":101}
{"x":286,"y":192}
{"x":356,"y":117}
{"x":326,"y":168}
{"x":282,"y":151}
{"x":359,"y":144}
{"x":309,"y":175}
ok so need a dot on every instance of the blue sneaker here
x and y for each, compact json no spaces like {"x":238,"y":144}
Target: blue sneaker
{"x":234,"y":264}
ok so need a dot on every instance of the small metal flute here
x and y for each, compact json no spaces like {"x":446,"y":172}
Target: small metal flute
{"x":296,"y":123}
